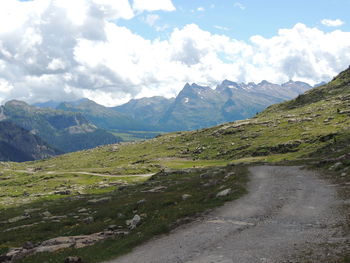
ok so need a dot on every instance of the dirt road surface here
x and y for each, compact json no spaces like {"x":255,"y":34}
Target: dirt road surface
{"x":289,"y":215}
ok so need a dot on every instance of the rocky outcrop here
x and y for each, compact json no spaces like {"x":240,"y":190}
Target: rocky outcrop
{"x":58,"y":243}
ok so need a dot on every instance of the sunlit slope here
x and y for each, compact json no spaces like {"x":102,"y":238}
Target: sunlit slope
{"x":300,"y":128}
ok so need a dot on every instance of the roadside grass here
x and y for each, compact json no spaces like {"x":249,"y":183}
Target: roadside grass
{"x":24,"y":187}
{"x":161,"y":212}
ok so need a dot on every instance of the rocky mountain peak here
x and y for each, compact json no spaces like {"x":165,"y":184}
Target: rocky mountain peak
{"x":264,"y":82}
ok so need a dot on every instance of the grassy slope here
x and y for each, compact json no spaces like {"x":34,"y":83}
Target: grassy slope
{"x":291,"y":130}
{"x":311,"y":128}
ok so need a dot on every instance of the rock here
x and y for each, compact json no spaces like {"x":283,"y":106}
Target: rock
{"x":344,"y":112}
{"x":186,"y":196}
{"x":88,"y":220}
{"x":5,"y":258}
{"x":224,"y":193}
{"x":83,"y":210}
{"x":205,"y":175}
{"x":19,"y":218}
{"x":140,"y":202}
{"x":335,"y":166}
{"x":46,"y":214}
{"x":132,"y":223}
{"x":112,"y":227}
{"x":155,"y":190}
{"x":73,"y":260}
{"x":50,"y":249}
{"x":63,"y":192}
{"x":99,"y":200}
{"x":28,"y":245}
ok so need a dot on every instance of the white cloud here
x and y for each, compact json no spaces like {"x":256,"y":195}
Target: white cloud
{"x":201,"y":9}
{"x":332,"y":23}
{"x":239,"y":5}
{"x":51,"y":54}
{"x":153,"y":5}
{"x":5,"y":87}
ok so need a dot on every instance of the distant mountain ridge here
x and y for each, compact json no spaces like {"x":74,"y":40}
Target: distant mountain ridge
{"x":194,"y":107}
{"x":18,"y":144}
{"x":65,"y":131}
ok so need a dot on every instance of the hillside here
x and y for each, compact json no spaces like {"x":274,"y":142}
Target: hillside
{"x":102,"y":117}
{"x":292,"y":130}
{"x":99,"y":203}
{"x":65,"y":131}
{"x":19,"y":145}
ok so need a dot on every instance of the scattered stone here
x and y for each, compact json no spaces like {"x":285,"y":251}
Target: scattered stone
{"x":335,"y":166}
{"x":73,"y":260}
{"x":83,"y":210}
{"x":99,"y":200}
{"x":344,"y":112}
{"x":19,"y":218}
{"x":186,"y":196}
{"x":155,"y":190}
{"x":5,"y":258}
{"x":31,"y":210}
{"x":132,"y":223}
{"x":20,"y":227}
{"x":63,"y":192}
{"x":205,"y":175}
{"x":112,"y":227}
{"x":224,"y":193}
{"x":88,"y":220}
{"x":140,"y":202}
{"x":28,"y":245}
{"x":46,"y":214}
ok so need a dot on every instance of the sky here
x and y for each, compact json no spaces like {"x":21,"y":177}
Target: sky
{"x":111,"y":51}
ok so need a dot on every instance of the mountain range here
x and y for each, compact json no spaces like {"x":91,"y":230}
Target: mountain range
{"x":47,"y":129}
{"x":64,"y":131}
{"x":194,"y":107}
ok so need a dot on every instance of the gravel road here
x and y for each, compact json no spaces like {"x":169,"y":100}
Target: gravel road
{"x":288,"y":213}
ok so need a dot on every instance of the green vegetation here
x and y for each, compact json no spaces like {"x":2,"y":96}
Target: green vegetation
{"x":132,"y":136}
{"x":161,"y":210}
{"x":286,"y":131}
{"x":65,"y":131}
{"x":313,"y":129}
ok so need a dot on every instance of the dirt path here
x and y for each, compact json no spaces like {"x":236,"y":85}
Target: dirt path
{"x":288,"y":212}
{"x":104,"y":175}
